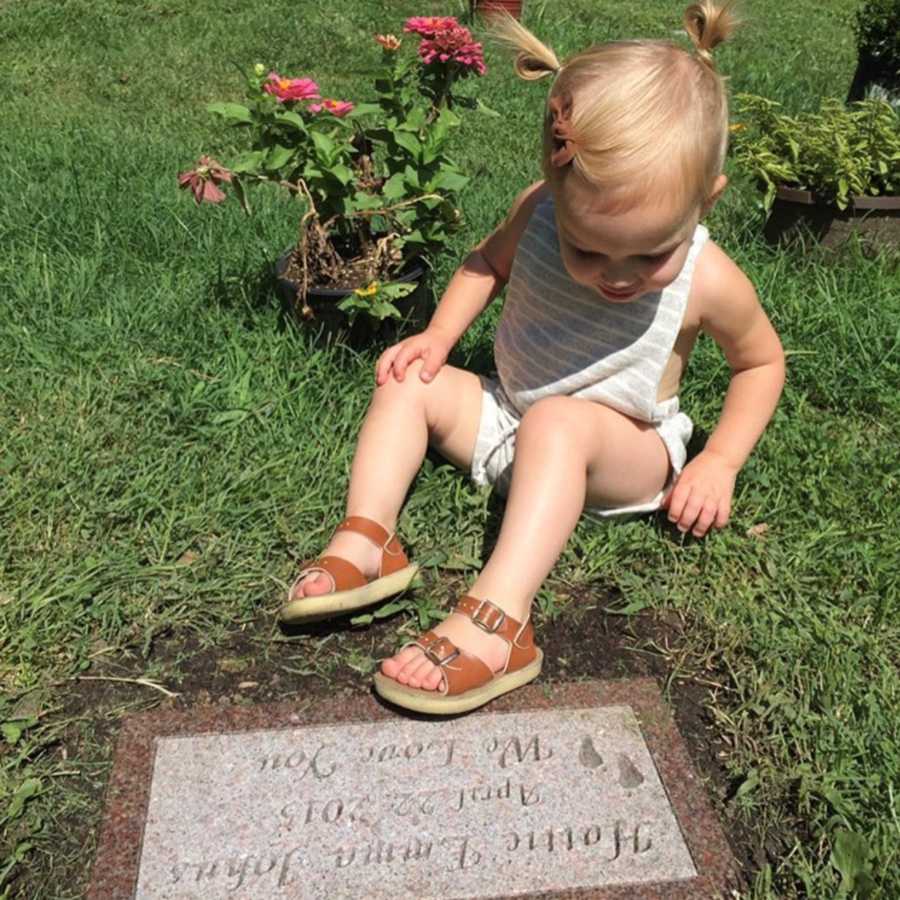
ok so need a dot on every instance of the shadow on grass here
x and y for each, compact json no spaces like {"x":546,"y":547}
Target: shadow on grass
{"x":250,"y":290}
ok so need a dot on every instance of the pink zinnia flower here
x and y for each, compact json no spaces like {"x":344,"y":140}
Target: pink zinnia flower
{"x":335,"y":107}
{"x":291,"y":88}
{"x":454,"y":45}
{"x":203,"y":180}
{"x":428,"y":26}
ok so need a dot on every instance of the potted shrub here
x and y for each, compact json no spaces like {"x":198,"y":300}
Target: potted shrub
{"x":831,"y":173}
{"x":878,"y":51}
{"x":375,"y":185}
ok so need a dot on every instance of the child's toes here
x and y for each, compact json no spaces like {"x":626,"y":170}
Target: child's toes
{"x":432,"y":681}
{"x":396,"y":663}
{"x":417,"y":672}
{"x":313,"y":585}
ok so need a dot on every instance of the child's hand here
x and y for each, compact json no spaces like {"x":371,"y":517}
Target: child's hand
{"x":701,"y":496}
{"x":431,"y":346}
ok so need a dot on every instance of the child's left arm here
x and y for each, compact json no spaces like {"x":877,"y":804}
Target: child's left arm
{"x":731,"y":314}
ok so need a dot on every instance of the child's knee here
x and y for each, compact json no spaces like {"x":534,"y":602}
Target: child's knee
{"x":409,"y":390}
{"x":552,"y":418}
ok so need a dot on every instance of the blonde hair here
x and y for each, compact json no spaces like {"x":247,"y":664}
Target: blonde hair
{"x":642,"y":115}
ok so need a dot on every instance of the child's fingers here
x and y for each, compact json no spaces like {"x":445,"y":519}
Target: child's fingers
{"x":705,"y":519}
{"x":723,"y":513}
{"x":690,"y":512}
{"x":676,"y":501}
{"x":383,"y":366}
{"x":403,"y":359}
{"x":432,"y":364}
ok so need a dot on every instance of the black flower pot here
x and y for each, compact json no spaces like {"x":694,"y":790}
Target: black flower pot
{"x":321,"y":314}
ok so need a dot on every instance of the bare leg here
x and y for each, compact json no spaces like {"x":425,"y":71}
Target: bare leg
{"x":569,"y":453}
{"x":402,"y":418}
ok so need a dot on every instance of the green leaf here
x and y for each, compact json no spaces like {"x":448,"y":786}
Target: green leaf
{"x":395,"y":187}
{"x":363,"y":109}
{"x":251,"y":162}
{"x":14,"y":729}
{"x":291,"y":118}
{"x":233,"y":113}
{"x":325,"y":147}
{"x":415,"y":121}
{"x":849,"y":856}
{"x":629,"y":609}
{"x":241,"y":193}
{"x":410,"y":143}
{"x":397,"y":289}
{"x":342,"y":173}
{"x":26,"y":790}
{"x":748,"y":785}
{"x":278,"y":157}
{"x":484,"y":108}
{"x":448,"y":181}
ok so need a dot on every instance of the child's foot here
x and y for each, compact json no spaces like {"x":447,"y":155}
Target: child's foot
{"x":477,"y":654}
{"x":363,"y":564}
{"x":348,"y":545}
{"x":412,"y":668}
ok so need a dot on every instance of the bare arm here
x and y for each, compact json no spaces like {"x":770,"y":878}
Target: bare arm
{"x":735,"y":320}
{"x":731,"y":314}
{"x":475,"y":283}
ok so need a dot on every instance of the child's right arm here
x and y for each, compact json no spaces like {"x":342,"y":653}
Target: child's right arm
{"x":474,"y":284}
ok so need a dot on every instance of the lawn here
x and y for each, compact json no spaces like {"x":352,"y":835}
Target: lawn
{"x":171,"y":448}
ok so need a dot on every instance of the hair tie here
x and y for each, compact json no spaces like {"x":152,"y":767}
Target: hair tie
{"x":560,"y":108}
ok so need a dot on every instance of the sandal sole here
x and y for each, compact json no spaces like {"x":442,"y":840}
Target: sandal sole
{"x":435,"y":703}
{"x":324,"y":606}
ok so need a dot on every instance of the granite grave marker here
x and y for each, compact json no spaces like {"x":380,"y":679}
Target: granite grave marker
{"x":574,"y":794}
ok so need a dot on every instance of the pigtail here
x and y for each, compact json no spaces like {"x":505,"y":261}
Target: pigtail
{"x":535,"y":59}
{"x":708,"y":25}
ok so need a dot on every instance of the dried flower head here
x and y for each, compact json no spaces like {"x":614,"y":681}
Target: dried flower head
{"x":388,"y":41}
{"x":202,"y":181}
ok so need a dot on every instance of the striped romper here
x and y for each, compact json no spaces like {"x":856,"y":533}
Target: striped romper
{"x":557,"y":337}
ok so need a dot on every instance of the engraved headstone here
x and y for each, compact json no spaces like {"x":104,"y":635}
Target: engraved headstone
{"x":499,"y":804}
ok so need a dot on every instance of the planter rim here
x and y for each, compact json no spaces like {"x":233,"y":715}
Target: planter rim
{"x":857,"y":201}
{"x":413,"y":274}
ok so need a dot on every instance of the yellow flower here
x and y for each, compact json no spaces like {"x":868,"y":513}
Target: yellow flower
{"x":738,"y":126}
{"x":367,"y":291}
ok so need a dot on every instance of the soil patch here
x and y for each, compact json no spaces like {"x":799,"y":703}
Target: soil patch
{"x":258,"y":666}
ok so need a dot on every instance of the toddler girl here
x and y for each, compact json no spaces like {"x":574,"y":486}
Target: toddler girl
{"x":610,"y":280}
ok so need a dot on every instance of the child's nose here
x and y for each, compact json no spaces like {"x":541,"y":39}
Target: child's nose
{"x":617,"y":276}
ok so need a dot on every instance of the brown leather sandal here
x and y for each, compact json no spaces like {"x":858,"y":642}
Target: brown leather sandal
{"x":351,"y":590}
{"x":466,"y":682}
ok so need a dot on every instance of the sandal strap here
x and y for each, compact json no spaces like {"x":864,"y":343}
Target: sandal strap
{"x":392,"y":556}
{"x":489,"y":618}
{"x":460,"y":671}
{"x":344,"y":575}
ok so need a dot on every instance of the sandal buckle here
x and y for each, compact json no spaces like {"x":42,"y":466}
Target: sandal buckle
{"x":484,"y":623}
{"x":442,"y":644}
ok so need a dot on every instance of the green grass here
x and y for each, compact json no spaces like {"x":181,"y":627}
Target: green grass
{"x":152,"y":406}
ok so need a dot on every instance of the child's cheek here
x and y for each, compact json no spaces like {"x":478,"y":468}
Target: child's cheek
{"x":662,"y":277}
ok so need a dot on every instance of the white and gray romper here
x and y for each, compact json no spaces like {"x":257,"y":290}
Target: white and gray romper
{"x":557,"y":337}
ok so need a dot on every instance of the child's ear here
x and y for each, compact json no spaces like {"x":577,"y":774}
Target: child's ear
{"x":719,"y":186}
